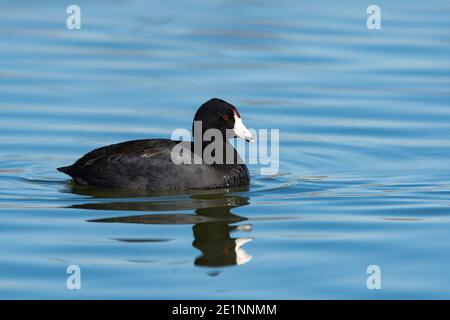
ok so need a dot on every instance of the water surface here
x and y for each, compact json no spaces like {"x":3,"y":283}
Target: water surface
{"x":364,"y":177}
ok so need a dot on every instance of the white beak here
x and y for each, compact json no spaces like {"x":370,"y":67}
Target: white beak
{"x":240,"y":130}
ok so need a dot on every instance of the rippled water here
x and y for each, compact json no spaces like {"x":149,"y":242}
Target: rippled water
{"x":364,"y":119}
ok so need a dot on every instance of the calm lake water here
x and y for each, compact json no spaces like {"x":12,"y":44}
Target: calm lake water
{"x":364,"y":177}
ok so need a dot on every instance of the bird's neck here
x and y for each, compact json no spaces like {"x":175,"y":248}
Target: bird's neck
{"x":218,"y":152}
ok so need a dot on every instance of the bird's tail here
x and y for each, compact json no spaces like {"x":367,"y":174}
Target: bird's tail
{"x":64,"y":169}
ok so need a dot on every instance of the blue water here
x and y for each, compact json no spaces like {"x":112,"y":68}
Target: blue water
{"x":364,"y":177}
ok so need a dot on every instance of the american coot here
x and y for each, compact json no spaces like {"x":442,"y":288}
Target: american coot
{"x":148,"y":164}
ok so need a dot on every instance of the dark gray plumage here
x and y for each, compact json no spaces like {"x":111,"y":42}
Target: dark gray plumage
{"x":147,"y":164}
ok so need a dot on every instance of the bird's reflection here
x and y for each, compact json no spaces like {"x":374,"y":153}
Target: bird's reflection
{"x":213,"y":223}
{"x":214,"y":241}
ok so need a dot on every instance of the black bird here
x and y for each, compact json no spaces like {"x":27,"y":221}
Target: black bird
{"x":149,"y":163}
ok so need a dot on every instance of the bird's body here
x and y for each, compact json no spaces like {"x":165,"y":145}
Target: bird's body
{"x":147,"y":164}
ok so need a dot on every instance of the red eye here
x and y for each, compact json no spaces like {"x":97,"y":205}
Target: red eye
{"x":225,"y":117}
